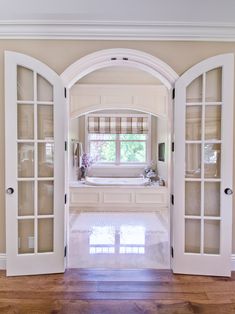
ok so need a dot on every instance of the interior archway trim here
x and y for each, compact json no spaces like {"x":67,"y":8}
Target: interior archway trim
{"x":119,"y":57}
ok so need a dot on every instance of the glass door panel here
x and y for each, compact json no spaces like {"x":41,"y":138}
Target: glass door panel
{"x":212,"y":199}
{"x":192,"y":235}
{"x":193,"y":160}
{"x":45,"y":235}
{"x":46,"y":159}
{"x":45,"y":122}
{"x":211,"y":236}
{"x":213,"y":85}
{"x":25,"y":123}
{"x":45,"y":197}
{"x":212,"y":153}
{"x":25,"y":198}
{"x":193,"y":123}
{"x":44,"y":90}
{"x":35,"y":113}
{"x":25,"y":81}
{"x":213,"y":122}
{"x":25,"y":160}
{"x":25,"y":236}
{"x":192,"y":198}
{"x":194,"y":91}
{"x":203,"y":168}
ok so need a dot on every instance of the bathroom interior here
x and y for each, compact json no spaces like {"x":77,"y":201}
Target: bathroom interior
{"x":119,"y":171}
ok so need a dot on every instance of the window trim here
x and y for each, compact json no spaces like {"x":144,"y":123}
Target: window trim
{"x":117,"y":163}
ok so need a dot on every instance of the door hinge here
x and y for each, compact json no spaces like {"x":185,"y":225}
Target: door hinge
{"x":172,"y":199}
{"x":65,"y":146}
{"x":172,"y":146}
{"x":172,"y":252}
{"x":65,"y":251}
{"x":65,"y":199}
{"x":65,"y":92}
{"x":173,"y":93}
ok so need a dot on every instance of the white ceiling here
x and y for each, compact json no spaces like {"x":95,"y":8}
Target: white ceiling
{"x":196,"y":11}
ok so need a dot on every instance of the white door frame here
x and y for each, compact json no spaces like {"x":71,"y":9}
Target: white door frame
{"x":132,"y":59}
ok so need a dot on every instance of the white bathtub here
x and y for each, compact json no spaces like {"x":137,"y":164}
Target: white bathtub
{"x":95,"y":181}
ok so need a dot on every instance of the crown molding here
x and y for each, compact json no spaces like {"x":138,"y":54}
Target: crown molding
{"x":119,"y":30}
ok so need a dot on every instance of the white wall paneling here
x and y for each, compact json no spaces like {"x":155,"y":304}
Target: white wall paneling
{"x":93,"y":197}
{"x":87,"y":98}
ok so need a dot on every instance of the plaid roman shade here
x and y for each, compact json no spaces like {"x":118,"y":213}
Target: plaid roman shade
{"x":117,"y":125}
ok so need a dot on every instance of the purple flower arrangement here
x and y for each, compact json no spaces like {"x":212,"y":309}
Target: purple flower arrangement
{"x":87,"y":161}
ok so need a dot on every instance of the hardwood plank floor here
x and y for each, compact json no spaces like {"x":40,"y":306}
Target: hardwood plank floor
{"x":117,"y":292}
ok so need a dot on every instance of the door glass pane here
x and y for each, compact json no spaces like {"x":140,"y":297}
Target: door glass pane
{"x":213,"y":122}
{"x":193,"y":198}
{"x":194,"y":91}
{"x":212,"y":237}
{"x":193,"y":122}
{"x":212,"y":154}
{"x":192,"y":235}
{"x":45,"y":197}
{"x":45,"y":159}
{"x":25,"y":160}
{"x":45,"y":122}
{"x":212,"y":199}
{"x":193,"y":160}
{"x":45,"y":235}
{"x":25,"y":198}
{"x":44,"y":89}
{"x":26,"y":236}
{"x":25,"y":84}
{"x":213,"y":85}
{"x":25,"y":121}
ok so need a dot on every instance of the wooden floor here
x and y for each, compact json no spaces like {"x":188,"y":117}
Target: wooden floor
{"x":117,"y":292}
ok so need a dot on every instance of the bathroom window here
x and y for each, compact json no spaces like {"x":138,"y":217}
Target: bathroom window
{"x":118,"y":139}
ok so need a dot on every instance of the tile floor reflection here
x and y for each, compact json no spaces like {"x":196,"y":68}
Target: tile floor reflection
{"x":119,"y":240}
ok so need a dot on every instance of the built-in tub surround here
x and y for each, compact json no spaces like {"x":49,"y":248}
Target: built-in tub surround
{"x":135,"y":198}
{"x":119,"y":240}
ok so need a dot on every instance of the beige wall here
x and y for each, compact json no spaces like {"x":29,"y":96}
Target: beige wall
{"x":60,"y":54}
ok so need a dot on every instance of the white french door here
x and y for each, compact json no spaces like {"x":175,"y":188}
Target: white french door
{"x":35,"y":118}
{"x":202,"y":212}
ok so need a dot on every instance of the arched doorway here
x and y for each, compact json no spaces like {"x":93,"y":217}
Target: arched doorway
{"x":124,"y":58}
{"x":202,"y":165}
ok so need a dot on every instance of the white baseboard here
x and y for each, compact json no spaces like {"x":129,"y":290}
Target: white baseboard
{"x":233,"y":262}
{"x":2,"y":261}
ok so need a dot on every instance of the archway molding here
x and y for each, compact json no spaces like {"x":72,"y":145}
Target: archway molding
{"x":119,"y":57}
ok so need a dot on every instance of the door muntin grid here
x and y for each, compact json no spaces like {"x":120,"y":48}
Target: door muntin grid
{"x":35,"y":140}
{"x":203,"y":149}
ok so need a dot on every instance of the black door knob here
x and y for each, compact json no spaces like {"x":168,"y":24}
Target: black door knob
{"x":10,"y":191}
{"x":228,"y":191}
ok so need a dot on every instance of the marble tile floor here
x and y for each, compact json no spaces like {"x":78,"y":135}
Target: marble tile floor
{"x":119,"y":240}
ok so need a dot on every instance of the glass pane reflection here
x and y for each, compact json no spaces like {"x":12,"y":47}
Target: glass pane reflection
{"x":102,"y":240}
{"x":212,"y":154}
{"x":25,"y":160}
{"x":193,"y":160}
{"x":45,"y":159}
{"x":132,"y":240}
